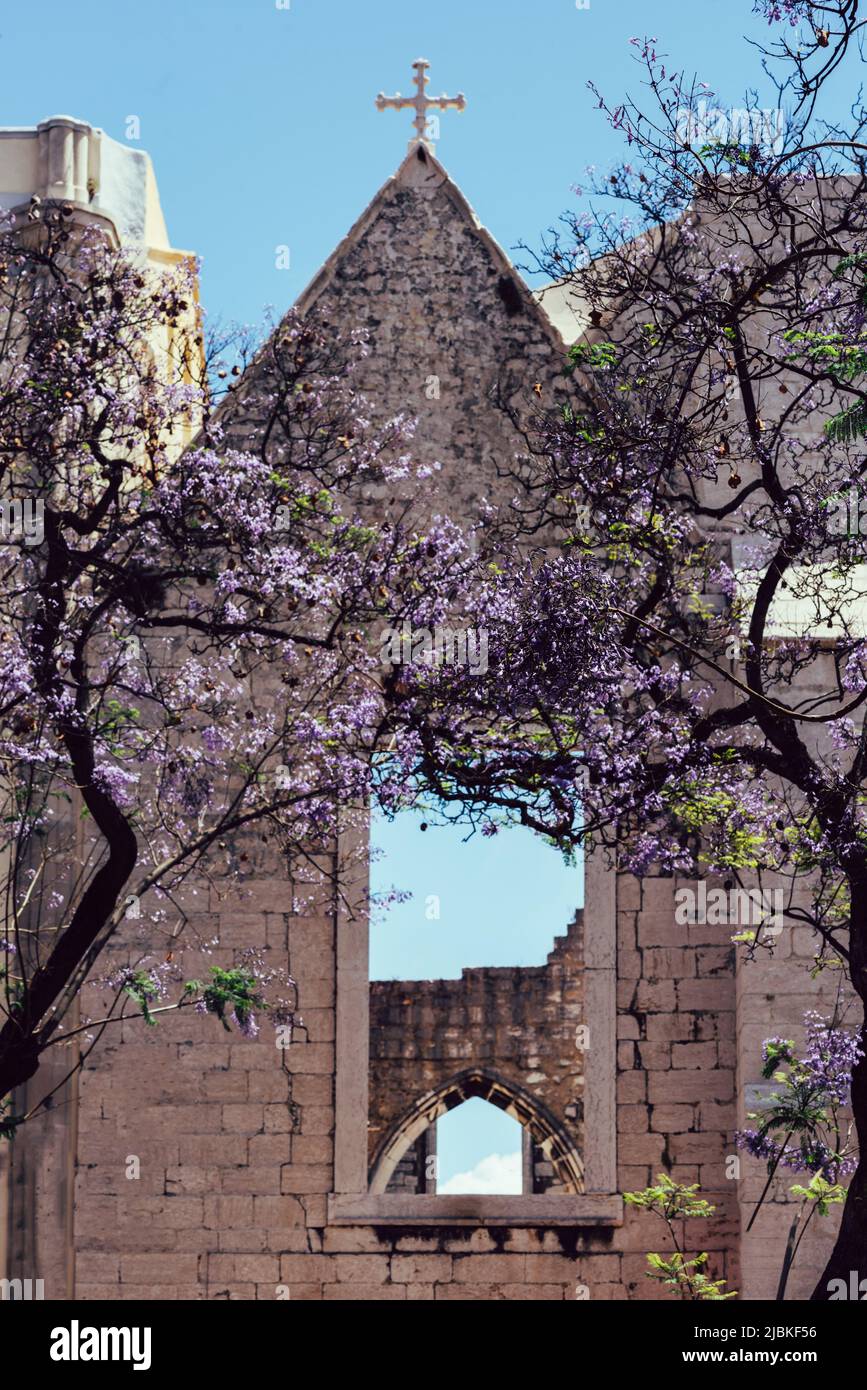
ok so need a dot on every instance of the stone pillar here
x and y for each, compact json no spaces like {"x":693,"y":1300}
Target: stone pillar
{"x":63,"y":158}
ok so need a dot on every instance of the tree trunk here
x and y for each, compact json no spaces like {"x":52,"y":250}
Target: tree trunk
{"x":849,"y":1257}
{"x":848,"y":1260}
{"x":23,"y":1038}
{"x":19,"y":1062}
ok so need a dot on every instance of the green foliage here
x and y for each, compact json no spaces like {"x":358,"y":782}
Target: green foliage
{"x":593,"y":355}
{"x":777,"y":1051}
{"x":688,"y":1278}
{"x":825,"y":1194}
{"x":15,"y":992}
{"x":858,"y":261}
{"x":797,"y":1109}
{"x":674,"y":1201}
{"x":702,"y":805}
{"x":584,"y":430}
{"x":744,"y":156}
{"x":848,"y":426}
{"x":356,"y":537}
{"x":801,"y":1108}
{"x":234,"y":994}
{"x":142,"y":989}
{"x":235,"y":991}
{"x":842,"y":359}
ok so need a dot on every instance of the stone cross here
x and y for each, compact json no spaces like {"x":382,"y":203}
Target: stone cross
{"x":421,"y":103}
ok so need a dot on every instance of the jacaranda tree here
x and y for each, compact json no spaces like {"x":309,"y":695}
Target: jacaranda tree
{"x":185,"y":657}
{"x":685,"y":655}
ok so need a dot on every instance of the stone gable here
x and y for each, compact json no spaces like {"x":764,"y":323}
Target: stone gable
{"x":454,"y":335}
{"x":243,"y":1188}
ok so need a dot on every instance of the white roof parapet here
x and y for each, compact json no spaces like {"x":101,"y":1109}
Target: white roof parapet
{"x":68,"y":159}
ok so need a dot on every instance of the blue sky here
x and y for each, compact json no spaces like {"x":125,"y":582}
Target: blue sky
{"x":498,"y":901}
{"x":263,"y":131}
{"x":262,"y":126}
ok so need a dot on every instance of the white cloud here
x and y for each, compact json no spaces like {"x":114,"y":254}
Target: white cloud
{"x":498,"y":1174}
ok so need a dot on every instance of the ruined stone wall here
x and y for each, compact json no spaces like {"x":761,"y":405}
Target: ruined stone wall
{"x":692,"y":1015}
{"x":235,"y":1139}
{"x":456,"y":342}
{"x":517,"y":1024}
{"x":676,"y":1030}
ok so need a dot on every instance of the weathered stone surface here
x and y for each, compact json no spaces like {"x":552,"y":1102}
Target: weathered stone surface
{"x":235,"y":1139}
{"x":425,"y":1033}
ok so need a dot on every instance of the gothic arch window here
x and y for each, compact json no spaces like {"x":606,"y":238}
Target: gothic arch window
{"x":556,"y":1148}
{"x":365,"y":1155}
{"x":479,"y":1149}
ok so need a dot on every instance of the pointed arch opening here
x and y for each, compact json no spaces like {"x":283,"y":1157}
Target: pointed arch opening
{"x":577,"y":990}
{"x":479,"y":1149}
{"x":545,"y":1136}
